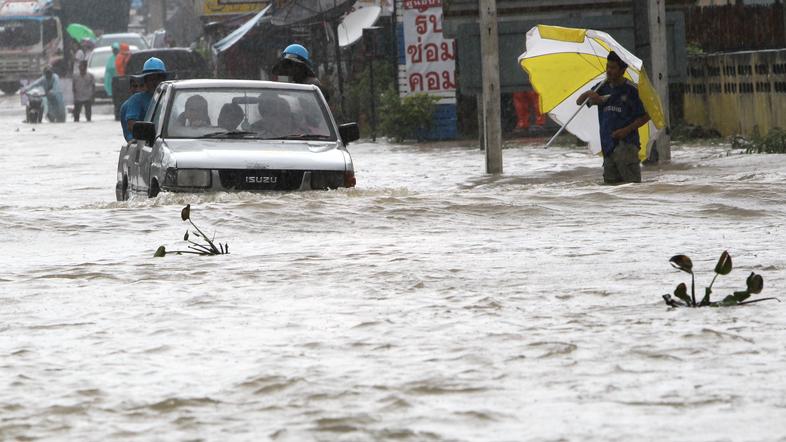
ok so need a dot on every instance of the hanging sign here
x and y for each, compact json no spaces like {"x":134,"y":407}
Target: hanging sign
{"x":430,"y":58}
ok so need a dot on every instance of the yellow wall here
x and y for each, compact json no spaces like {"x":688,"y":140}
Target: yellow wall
{"x":737,"y":93}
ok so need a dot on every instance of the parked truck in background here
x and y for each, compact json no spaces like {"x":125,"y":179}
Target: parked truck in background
{"x":33,"y":34}
{"x":31,"y":37}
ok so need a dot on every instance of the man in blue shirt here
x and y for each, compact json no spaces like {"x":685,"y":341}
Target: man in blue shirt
{"x":134,"y":87}
{"x":620,"y":114}
{"x":153,"y":73}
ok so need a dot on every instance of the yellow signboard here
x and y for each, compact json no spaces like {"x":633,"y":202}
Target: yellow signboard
{"x":223,"y":7}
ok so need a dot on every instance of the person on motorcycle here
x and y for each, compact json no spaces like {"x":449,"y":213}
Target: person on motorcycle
{"x":54,"y":105}
{"x":153,"y":73}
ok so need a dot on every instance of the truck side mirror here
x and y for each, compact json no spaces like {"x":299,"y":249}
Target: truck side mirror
{"x":145,"y":130}
{"x":349,"y":132}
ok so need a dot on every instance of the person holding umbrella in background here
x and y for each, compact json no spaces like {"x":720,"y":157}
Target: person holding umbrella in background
{"x":85,"y":38}
{"x":86,"y":47}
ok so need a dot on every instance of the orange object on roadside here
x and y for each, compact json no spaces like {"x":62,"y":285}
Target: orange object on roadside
{"x":122,"y":59}
{"x":523,"y":102}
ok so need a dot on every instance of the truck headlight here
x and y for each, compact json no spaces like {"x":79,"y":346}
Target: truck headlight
{"x":189,"y":177}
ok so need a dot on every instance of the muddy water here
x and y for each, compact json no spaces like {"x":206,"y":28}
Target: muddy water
{"x":429,"y":303}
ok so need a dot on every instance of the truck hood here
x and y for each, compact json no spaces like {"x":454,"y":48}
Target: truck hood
{"x":256,"y":154}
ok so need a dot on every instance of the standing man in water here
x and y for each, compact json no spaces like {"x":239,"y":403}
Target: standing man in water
{"x":620,"y":114}
{"x":153,"y":73}
{"x":84,"y":88}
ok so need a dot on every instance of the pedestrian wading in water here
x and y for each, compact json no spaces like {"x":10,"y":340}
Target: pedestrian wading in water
{"x":620,"y":114}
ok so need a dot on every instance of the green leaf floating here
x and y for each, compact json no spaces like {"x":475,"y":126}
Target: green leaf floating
{"x":681,"y":292}
{"x":682,"y":262}
{"x":755,"y":283}
{"x":723,"y":267}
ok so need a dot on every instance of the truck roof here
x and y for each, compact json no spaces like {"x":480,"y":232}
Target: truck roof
{"x":25,"y":8}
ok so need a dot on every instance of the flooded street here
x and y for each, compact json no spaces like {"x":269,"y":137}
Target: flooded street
{"x":431,"y":302}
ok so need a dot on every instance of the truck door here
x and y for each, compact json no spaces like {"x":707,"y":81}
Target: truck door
{"x":156,"y":115}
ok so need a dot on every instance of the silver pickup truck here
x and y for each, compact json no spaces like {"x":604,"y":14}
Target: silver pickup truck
{"x":236,"y":135}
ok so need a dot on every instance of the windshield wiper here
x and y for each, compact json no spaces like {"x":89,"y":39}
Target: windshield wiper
{"x":302,"y":137}
{"x":228,"y":134}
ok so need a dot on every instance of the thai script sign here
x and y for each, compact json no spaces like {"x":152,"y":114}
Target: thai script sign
{"x":431,"y":65}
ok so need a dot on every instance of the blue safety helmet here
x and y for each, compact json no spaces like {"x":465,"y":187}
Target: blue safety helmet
{"x":296,"y":52}
{"x":152,"y":66}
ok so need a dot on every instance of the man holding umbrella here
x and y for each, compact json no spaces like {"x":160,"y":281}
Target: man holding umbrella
{"x":564,"y":62}
{"x":86,"y":46}
{"x":620,"y":114}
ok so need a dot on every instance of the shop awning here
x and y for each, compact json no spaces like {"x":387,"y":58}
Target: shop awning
{"x":238,"y":34}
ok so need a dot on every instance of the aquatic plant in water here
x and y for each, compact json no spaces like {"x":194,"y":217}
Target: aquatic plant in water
{"x":773,"y":142}
{"x":754,"y":283}
{"x":208,"y":248}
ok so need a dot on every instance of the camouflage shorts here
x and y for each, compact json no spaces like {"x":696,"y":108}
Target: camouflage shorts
{"x":622,"y":166}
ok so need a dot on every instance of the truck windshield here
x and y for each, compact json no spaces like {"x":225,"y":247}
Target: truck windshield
{"x":256,"y":113}
{"x":19,"y":33}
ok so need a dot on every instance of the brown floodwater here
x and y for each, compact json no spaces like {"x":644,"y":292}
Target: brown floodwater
{"x":431,"y":302}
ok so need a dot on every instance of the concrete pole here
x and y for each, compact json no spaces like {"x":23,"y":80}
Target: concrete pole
{"x":651,"y":46}
{"x":489,"y":50}
{"x":156,"y":11}
{"x":481,"y":129}
{"x":660,"y":69}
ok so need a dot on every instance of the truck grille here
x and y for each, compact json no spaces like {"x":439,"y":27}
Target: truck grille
{"x":260,"y":179}
{"x":11,"y":64}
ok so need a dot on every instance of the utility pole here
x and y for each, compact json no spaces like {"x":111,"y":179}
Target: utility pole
{"x":156,"y":15}
{"x":650,"y":29}
{"x":491,"y":128}
{"x":339,"y":72}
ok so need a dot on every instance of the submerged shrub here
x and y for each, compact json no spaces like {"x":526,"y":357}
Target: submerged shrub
{"x":773,"y":142}
{"x":406,"y":118}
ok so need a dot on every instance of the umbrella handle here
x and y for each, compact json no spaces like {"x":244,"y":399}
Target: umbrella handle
{"x":561,"y":129}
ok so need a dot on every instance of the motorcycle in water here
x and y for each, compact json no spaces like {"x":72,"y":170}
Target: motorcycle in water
{"x":33,"y":100}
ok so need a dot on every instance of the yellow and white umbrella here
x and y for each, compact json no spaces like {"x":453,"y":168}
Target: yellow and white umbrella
{"x":563,"y":63}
